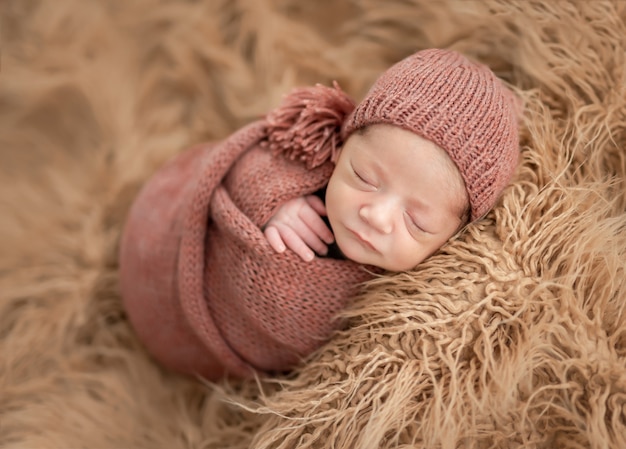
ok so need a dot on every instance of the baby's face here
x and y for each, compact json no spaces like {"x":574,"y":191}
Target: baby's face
{"x":394,"y":198}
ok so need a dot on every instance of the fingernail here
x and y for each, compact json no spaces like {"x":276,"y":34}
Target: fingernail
{"x":309,"y":257}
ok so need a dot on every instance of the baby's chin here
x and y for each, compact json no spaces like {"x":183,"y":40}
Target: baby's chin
{"x":351,"y":250}
{"x":358,"y":255}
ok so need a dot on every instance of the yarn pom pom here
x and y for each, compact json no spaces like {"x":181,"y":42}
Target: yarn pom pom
{"x":307,"y":124}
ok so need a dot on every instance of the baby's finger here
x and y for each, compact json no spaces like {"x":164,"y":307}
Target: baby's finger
{"x":309,"y":237}
{"x":274,"y":239}
{"x":315,"y":223}
{"x":316,"y":203}
{"x":295,"y":243}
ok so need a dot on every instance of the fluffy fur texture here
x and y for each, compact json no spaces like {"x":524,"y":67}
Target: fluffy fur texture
{"x":514,"y":335}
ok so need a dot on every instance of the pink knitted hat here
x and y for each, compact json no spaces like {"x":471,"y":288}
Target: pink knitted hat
{"x":459,"y":105}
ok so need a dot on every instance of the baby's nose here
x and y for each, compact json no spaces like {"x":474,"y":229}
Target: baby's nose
{"x":379,"y":215}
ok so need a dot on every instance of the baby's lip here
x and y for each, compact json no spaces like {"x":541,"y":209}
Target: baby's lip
{"x":364,"y":240}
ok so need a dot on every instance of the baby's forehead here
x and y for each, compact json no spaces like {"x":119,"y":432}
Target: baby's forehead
{"x":442,"y":162}
{"x":405,"y":155}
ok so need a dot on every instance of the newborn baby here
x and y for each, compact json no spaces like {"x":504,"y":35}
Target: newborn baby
{"x":237,"y":255}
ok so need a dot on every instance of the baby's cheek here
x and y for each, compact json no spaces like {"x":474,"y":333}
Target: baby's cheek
{"x":409,"y":252}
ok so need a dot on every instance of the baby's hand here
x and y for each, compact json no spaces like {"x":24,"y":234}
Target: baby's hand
{"x":298,"y":225}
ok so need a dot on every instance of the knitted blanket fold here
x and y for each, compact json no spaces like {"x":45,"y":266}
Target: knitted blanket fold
{"x":203,"y":289}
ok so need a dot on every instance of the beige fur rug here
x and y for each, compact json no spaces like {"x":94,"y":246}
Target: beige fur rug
{"x":514,"y":335}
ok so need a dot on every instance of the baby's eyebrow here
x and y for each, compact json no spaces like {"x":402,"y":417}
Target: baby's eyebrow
{"x":418,"y":203}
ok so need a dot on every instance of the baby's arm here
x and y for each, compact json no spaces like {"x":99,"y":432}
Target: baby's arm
{"x":298,"y":225}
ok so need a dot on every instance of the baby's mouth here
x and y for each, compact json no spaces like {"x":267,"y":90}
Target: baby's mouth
{"x":364,"y":241}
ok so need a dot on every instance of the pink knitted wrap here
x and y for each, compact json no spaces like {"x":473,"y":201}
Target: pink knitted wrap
{"x":203,"y":289}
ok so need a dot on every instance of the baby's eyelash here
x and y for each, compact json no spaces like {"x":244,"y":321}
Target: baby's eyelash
{"x":358,"y":175}
{"x":414,"y":223}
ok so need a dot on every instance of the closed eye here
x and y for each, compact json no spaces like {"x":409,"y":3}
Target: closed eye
{"x":413,"y":225}
{"x":362,"y":178}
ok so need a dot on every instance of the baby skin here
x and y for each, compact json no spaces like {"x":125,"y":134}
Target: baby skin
{"x":393,"y":199}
